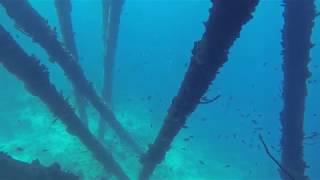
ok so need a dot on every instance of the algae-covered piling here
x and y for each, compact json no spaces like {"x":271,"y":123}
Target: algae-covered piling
{"x":209,"y":54}
{"x":16,"y":170}
{"x":111,"y":12}
{"x":36,"y":80}
{"x":36,"y":26}
{"x":111,"y":21}
{"x":64,"y":8}
{"x":296,"y":41}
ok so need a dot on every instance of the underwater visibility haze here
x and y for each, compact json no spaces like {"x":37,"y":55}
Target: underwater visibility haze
{"x":159,"y":89}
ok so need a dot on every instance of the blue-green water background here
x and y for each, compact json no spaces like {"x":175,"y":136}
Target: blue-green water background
{"x":155,"y":42}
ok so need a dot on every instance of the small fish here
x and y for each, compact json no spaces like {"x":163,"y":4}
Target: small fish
{"x":312,"y":136}
{"x":254,"y":122}
{"x":203,"y":119}
{"x":234,"y":136}
{"x":54,"y":120}
{"x":149,"y":98}
{"x":258,"y":129}
{"x":186,"y":139}
{"x":44,"y":150}
{"x":201,"y":162}
{"x":227,"y":166}
{"x":258,"y":146}
{"x":19,"y":149}
{"x":205,"y":23}
{"x":205,"y":100}
{"x":184,"y":126}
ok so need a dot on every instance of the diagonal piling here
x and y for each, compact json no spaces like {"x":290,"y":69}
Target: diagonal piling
{"x":64,"y":8}
{"x":36,"y":26}
{"x":35,"y":77}
{"x":209,"y":54}
{"x":296,"y":41}
{"x":18,"y":170}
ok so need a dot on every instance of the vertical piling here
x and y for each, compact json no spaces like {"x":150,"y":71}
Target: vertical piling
{"x":35,"y":77}
{"x":209,"y":54}
{"x":38,"y":29}
{"x":111,"y":21}
{"x":112,"y":13}
{"x":296,"y":41}
{"x":106,"y":6}
{"x":64,"y":8}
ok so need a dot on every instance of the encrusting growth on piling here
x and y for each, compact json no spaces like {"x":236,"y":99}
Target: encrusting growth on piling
{"x":36,"y":80}
{"x":64,"y":8}
{"x":225,"y":22}
{"x":111,"y":21}
{"x":18,"y":170}
{"x":296,"y":36}
{"x":111,"y":10}
{"x":221,"y":30}
{"x":33,"y":24}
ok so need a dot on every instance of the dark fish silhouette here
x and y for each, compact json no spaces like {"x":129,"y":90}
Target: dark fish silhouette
{"x":205,"y":100}
{"x":19,"y":149}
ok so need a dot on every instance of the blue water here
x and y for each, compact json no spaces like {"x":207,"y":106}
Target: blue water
{"x":154,"y":47}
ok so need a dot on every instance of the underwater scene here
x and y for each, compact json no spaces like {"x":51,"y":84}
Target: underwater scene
{"x":159,"y":89}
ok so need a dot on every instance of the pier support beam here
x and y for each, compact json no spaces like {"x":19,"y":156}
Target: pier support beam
{"x":223,"y":27}
{"x":64,"y":8}
{"x":296,"y":41}
{"x":18,"y":170}
{"x":111,"y":11}
{"x":111,"y":21}
{"x":35,"y":77}
{"x":38,"y":29}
